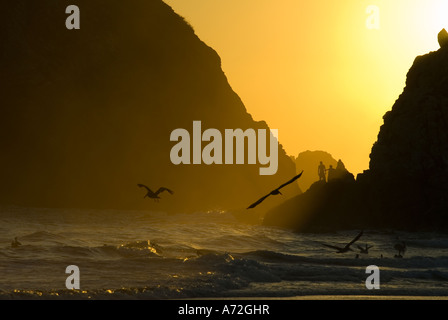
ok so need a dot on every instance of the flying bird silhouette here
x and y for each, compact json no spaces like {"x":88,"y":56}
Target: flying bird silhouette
{"x":347,"y":246}
{"x":275,"y":191}
{"x":154,"y":195}
{"x":364,"y":249}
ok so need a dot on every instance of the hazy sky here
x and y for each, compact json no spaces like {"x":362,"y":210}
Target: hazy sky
{"x":312,"y":69}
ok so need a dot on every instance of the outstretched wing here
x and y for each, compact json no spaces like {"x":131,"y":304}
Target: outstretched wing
{"x":161,"y":189}
{"x":143,"y":186}
{"x":356,"y":239}
{"x":290,"y":181}
{"x":253,"y":205}
{"x":332,"y":247}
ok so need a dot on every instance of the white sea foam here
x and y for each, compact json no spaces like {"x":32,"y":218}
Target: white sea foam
{"x":144,"y":255}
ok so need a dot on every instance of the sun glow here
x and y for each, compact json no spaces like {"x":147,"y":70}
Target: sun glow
{"x":312,"y":70}
{"x":435,"y":15}
{"x":420,"y":21}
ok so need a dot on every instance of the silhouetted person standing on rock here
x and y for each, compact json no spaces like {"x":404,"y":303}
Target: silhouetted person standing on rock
{"x":331,"y":173}
{"x":321,"y":172}
{"x":340,"y":166}
{"x":340,"y":172}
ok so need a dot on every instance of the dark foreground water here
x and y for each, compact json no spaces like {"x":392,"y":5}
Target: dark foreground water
{"x":146,"y":255}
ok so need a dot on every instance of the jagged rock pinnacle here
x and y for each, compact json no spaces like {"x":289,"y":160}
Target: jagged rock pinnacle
{"x":443,"y":38}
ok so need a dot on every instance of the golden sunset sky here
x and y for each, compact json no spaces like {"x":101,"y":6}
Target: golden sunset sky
{"x":312,"y":69}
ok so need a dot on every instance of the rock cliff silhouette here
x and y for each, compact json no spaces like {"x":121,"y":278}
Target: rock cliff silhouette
{"x":308,"y":161}
{"x":409,"y":161}
{"x":406,"y":186}
{"x":87,"y":114}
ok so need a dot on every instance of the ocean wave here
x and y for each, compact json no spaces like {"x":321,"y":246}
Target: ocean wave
{"x":274,"y":256}
{"x":42,"y":236}
{"x":428,"y":243}
{"x":202,"y":255}
{"x":133,"y":249}
{"x":145,"y":248}
{"x":218,"y":274}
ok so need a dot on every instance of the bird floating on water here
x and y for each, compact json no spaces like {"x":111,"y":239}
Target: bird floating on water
{"x":275,"y":191}
{"x":15,"y":243}
{"x":154,"y":195}
{"x":401,"y":248}
{"x":347,"y":246}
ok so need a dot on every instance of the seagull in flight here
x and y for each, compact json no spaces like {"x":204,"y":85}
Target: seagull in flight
{"x":364,"y":249}
{"x":154,"y":195}
{"x":347,"y":246}
{"x":275,"y":191}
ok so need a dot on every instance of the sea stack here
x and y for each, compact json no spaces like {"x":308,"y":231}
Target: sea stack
{"x":87,"y":114}
{"x":406,"y":185}
{"x":443,"y":38}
